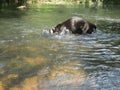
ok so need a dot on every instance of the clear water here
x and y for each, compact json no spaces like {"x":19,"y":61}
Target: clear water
{"x":30,"y":60}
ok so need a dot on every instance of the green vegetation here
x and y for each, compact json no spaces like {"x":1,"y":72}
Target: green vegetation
{"x":26,"y":3}
{"x":11,"y":3}
{"x":111,"y":1}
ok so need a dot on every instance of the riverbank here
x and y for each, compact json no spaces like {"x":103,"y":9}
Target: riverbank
{"x":64,"y":2}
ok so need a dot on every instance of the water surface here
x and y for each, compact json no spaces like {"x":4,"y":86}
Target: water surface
{"x":30,"y":60}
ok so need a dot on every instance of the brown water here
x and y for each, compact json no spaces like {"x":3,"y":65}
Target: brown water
{"x":30,"y":60}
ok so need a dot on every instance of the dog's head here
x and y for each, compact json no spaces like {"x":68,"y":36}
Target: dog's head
{"x":92,"y":28}
{"x":88,"y":28}
{"x":57,"y":29}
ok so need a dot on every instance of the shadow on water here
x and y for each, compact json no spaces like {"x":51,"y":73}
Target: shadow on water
{"x":30,"y":60}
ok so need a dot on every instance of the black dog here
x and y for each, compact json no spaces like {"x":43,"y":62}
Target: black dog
{"x":75,"y":25}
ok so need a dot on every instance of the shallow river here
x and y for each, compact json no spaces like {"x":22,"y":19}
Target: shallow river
{"x":31,"y":60}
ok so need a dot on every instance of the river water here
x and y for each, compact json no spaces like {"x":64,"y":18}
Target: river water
{"x":31,"y":60}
